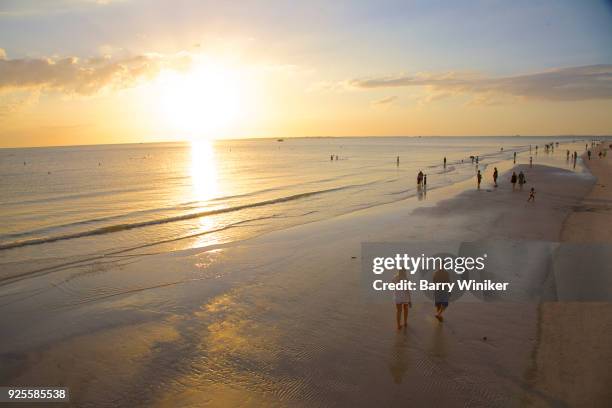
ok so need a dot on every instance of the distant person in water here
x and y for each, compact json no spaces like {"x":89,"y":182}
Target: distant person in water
{"x":513,"y":180}
{"x":331,"y":157}
{"x":495,"y":174}
{"x":442,"y":296}
{"x":589,"y":154}
{"x":521,"y":179}
{"x":530,"y":161}
{"x":479,"y":178}
{"x":444,"y":162}
{"x":419,"y":178}
{"x":424,"y":180}
{"x":402,"y":300}
{"x":514,"y":157}
{"x":567,"y":155}
{"x":531,"y":195}
{"x":397,"y":161}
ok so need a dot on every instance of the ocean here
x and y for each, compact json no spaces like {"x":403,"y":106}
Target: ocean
{"x":81,"y":202}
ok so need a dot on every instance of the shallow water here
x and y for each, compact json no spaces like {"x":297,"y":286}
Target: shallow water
{"x":89,"y":200}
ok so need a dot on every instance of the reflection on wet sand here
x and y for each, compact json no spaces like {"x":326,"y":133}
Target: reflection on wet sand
{"x":399,"y":359}
{"x":438,"y":342}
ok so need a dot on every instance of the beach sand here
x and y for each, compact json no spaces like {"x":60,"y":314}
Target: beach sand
{"x":286,"y":322}
{"x":573,"y":355}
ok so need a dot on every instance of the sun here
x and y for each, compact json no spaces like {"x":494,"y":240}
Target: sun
{"x":203,"y":102}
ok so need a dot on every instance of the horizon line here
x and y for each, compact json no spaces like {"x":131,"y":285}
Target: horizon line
{"x":305,"y":137}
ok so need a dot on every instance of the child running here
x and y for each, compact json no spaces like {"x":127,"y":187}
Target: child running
{"x":531,"y":195}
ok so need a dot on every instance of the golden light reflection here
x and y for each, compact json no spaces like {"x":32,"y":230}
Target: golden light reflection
{"x":203,"y":170}
{"x":204,"y":185}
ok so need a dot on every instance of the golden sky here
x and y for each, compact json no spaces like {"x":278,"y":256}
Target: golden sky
{"x":83,"y":72}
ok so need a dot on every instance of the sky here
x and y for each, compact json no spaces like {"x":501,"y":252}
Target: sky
{"x":119,"y":71}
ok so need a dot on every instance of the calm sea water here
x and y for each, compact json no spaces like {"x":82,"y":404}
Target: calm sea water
{"x":71,"y":203}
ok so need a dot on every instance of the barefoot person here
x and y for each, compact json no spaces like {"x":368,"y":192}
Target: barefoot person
{"x":521,"y":179}
{"x":531,"y":195}
{"x":402,"y":300}
{"x":441,"y":296}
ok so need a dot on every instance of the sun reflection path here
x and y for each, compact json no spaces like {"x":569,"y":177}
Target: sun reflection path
{"x":204,"y":186}
{"x":204,"y":177}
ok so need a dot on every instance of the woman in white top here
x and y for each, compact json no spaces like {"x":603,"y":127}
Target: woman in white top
{"x":402,"y":300}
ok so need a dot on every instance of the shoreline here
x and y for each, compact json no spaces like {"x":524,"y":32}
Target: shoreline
{"x":563,"y":346}
{"x":294,"y":296}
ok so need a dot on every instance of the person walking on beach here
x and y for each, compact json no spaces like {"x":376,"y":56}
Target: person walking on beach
{"x":441,"y":296}
{"x":521,"y":180}
{"x":514,"y":157}
{"x":589,"y":154}
{"x":567,"y":155}
{"x":495,"y":174}
{"x":513,"y":180}
{"x":530,"y":161}
{"x":575,"y":158}
{"x":445,"y":162}
{"x":419,"y":178}
{"x":531,"y":195}
{"x":424,"y":180}
{"x":479,"y":178}
{"x":402,"y":300}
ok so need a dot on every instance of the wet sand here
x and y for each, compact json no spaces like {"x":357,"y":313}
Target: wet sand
{"x":281,"y":319}
{"x":573,"y":355}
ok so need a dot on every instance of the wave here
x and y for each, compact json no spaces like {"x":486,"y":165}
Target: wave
{"x":127,"y":226}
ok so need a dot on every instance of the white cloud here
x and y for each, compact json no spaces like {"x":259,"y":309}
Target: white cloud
{"x":560,"y":84}
{"x":74,"y":76}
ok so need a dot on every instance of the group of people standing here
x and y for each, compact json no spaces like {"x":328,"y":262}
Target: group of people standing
{"x":421,"y":179}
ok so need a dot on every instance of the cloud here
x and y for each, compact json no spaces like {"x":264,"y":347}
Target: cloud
{"x":385,"y":101}
{"x":561,"y":84}
{"x":74,"y":76}
{"x":20,"y":8}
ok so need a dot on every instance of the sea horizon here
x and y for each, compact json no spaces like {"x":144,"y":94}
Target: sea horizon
{"x":212,"y":139}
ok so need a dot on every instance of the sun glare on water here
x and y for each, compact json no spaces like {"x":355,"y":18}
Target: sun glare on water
{"x":203,"y":102}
